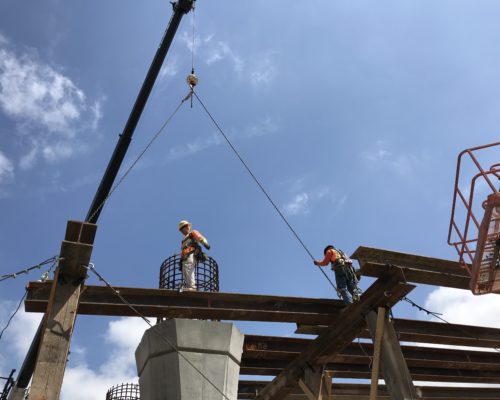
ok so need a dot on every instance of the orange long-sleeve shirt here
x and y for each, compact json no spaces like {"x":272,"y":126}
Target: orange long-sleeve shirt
{"x":330,"y":257}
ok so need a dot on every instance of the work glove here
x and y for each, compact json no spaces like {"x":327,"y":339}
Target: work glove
{"x":207,"y":246}
{"x":316,"y":263}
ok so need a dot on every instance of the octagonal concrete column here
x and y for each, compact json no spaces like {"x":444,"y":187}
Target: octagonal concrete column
{"x":213,"y":347}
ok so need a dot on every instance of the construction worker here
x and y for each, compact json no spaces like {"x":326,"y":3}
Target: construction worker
{"x":347,"y":282}
{"x":190,"y":253}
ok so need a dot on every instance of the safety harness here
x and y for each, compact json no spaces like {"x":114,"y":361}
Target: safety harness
{"x":191,"y":245}
{"x":344,"y":263}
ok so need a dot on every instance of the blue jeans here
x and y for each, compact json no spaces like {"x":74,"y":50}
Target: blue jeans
{"x":346,"y":287}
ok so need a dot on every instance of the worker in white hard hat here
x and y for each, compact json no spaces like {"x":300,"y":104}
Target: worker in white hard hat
{"x":191,"y":253}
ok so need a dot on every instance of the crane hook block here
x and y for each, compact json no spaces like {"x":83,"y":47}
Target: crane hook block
{"x":192,"y":80}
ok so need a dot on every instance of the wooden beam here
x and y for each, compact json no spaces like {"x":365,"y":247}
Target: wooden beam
{"x":376,"y":352}
{"x":395,"y":370}
{"x":386,"y":291}
{"x":417,"y":269}
{"x":60,"y":316}
{"x":285,"y":349}
{"x":430,"y":332}
{"x":163,"y":303}
{"x":313,"y":383}
{"x":362,"y":371}
{"x":355,"y":391}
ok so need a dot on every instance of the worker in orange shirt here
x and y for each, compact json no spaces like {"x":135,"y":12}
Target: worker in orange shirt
{"x":190,"y":253}
{"x":347,"y":282}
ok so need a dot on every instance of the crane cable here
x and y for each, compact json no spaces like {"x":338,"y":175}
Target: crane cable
{"x":264,"y":191}
{"x":151,"y":141}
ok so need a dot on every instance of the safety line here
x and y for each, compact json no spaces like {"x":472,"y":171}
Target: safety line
{"x":27,"y":270}
{"x":13,"y":315}
{"x":91,"y":267}
{"x":262,"y":188}
{"x":155,"y":136}
{"x":437,"y":315}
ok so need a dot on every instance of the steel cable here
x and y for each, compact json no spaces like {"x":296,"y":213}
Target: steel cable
{"x":264,"y":191}
{"x":27,"y":270}
{"x":91,"y":267}
{"x":155,"y":136}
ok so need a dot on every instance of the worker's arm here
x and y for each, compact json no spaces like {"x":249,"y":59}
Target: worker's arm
{"x":198,"y":237}
{"x":329,"y":256}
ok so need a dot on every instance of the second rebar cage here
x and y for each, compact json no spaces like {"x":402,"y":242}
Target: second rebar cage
{"x":206,"y":274}
{"x":124,"y":391}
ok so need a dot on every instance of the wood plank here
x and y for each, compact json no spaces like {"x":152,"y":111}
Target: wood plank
{"x":394,"y":367}
{"x":162,"y":303}
{"x":285,"y":349}
{"x":418,"y":276}
{"x":376,"y":353}
{"x":356,"y":371}
{"x":339,"y":334}
{"x":417,"y":269}
{"x":350,"y":391}
{"x":430,"y":332}
{"x":423,"y":263}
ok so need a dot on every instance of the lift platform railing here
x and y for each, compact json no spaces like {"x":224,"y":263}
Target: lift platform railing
{"x":478,"y":243}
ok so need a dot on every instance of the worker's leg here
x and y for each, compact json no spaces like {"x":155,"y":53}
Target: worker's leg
{"x":188,"y":270}
{"x":341,"y":280}
{"x":353,"y":289}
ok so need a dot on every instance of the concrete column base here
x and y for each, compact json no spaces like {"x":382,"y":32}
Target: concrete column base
{"x":215,"y":348}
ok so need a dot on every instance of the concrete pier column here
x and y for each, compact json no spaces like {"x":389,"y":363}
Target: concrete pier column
{"x":213,"y":347}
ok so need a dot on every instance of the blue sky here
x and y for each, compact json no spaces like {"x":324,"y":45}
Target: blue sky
{"x":352,"y":114}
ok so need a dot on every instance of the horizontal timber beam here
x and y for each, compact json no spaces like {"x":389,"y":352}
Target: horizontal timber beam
{"x":285,"y":348}
{"x":163,"y":303}
{"x":386,"y":291}
{"x":362,"y":371}
{"x":430,"y":332}
{"x":418,"y":269}
{"x":350,"y":391}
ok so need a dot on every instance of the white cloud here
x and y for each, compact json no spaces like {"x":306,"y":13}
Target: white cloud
{"x":298,"y":205}
{"x":6,"y":169}
{"x":222,"y":51}
{"x":257,"y":69}
{"x":190,"y":149}
{"x":50,"y":111}
{"x":462,"y":307}
{"x":17,"y":338}
{"x":264,"y":127}
{"x":304,"y":197}
{"x":402,"y":164}
{"x":169,"y":69}
{"x":262,"y":70}
{"x":80,"y":381}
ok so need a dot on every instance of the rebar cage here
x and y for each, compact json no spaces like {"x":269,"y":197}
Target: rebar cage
{"x":125,"y":391}
{"x":206,"y":274}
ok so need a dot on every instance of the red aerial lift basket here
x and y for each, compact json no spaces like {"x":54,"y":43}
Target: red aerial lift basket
{"x":478,"y":243}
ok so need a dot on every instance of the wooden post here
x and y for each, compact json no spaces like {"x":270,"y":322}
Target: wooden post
{"x":396,"y":374}
{"x":314,"y":384}
{"x":61,"y":311}
{"x":376,"y":353}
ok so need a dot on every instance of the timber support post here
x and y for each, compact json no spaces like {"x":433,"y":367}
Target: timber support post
{"x":60,"y":315}
{"x":397,"y":377}
{"x":316,"y":384}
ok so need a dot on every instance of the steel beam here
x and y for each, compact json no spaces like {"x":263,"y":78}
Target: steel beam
{"x":430,"y":332}
{"x":386,"y":291}
{"x":163,"y":303}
